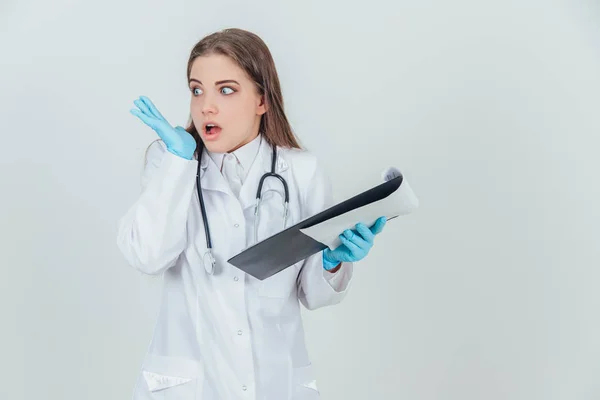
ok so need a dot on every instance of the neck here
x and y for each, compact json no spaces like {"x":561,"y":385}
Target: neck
{"x":245,"y":142}
{"x":251,"y":137}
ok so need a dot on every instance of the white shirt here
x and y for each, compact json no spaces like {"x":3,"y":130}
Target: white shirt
{"x":241,"y":158}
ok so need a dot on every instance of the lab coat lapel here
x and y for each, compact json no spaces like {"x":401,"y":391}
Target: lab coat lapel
{"x":211,"y":177}
{"x":259,"y":167}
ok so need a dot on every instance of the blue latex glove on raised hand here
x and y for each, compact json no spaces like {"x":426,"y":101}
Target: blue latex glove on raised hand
{"x":178,"y":141}
{"x":355,"y":244}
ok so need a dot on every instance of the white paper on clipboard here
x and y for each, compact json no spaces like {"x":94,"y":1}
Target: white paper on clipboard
{"x":401,"y":202}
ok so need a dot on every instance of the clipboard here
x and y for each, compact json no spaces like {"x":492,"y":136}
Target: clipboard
{"x":295,"y":243}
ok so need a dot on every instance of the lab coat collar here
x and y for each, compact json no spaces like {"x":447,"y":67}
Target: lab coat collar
{"x":261,"y":165}
{"x":210,"y":175}
{"x":245,"y":155}
{"x":266,"y":156}
{"x":212,"y":179}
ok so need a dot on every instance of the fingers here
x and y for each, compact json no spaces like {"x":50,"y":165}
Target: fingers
{"x":355,"y":250}
{"x":150,"y":121}
{"x":330,"y":256}
{"x":356,"y":245}
{"x":144,"y":108}
{"x":146,"y":114}
{"x":152,"y":107}
{"x":337,"y":254}
{"x":365,"y":232}
{"x":344,"y":250}
{"x":378,"y":225}
{"x":357,"y":239}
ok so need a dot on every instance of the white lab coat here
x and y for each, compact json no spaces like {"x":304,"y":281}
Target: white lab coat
{"x":226,"y":335}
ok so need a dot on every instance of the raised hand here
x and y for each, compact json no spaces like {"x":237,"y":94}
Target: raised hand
{"x":178,"y":140}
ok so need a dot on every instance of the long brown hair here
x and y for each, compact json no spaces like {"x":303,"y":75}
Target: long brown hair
{"x":251,"y":54}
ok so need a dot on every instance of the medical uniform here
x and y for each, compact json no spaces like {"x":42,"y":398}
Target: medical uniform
{"x":227,"y":335}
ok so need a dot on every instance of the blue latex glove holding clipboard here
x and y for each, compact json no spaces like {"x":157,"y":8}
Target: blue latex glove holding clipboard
{"x":356,"y":244}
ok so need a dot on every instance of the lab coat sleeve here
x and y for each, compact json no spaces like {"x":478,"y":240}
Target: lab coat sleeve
{"x":152,"y":234}
{"x":318,"y":287}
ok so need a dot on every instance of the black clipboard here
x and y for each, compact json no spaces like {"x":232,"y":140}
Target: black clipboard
{"x":278,"y":252}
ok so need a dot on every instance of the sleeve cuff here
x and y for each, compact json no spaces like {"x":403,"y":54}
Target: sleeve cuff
{"x":339,"y":280}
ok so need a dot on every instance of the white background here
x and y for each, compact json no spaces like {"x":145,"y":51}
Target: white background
{"x":490,"y":108}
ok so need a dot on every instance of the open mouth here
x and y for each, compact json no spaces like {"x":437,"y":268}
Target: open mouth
{"x":211,"y":129}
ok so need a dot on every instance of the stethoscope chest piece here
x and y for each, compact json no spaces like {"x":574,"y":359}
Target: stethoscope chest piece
{"x":209,"y":262}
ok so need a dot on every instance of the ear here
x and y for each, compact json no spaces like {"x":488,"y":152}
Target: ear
{"x":261,"y":108}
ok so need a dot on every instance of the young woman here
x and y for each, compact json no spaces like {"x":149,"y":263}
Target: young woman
{"x":222,"y":334}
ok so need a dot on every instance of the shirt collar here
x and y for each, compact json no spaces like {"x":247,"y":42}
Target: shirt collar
{"x":245,"y":155}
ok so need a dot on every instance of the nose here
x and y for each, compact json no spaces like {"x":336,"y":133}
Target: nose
{"x":209,"y":106}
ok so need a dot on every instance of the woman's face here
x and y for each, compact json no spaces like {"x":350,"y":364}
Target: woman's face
{"x":225,"y":97}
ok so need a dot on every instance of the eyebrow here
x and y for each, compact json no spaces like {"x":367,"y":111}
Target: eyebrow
{"x":216,"y":83}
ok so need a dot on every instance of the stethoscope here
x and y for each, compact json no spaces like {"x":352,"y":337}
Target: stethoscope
{"x":208,"y":259}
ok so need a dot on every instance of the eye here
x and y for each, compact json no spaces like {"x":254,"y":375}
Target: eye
{"x":197,"y":91}
{"x":227,"y":90}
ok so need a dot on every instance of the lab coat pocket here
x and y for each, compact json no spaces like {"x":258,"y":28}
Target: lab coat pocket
{"x":305,"y":383}
{"x":170,"y":378}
